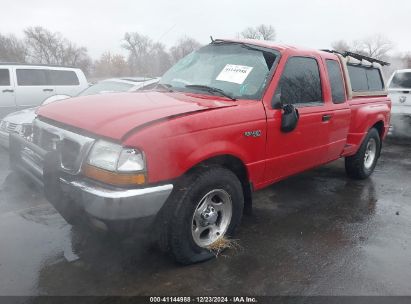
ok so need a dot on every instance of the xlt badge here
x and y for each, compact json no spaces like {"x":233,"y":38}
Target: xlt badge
{"x":256,"y":133}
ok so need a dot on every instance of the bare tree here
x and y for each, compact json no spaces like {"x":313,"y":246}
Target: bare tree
{"x":261,"y":32}
{"x":407,"y":60}
{"x":250,"y":33}
{"x":139,"y":48}
{"x":376,"y":46}
{"x":148,"y":58}
{"x":160,"y":59}
{"x":111,"y":65}
{"x":47,"y":47}
{"x":267,"y":32}
{"x":12,"y":49}
{"x":183,"y":47}
{"x":341,"y":46}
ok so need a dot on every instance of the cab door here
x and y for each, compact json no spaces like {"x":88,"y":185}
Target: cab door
{"x":340,"y":111}
{"x":301,"y":83}
{"x":7,"y":92}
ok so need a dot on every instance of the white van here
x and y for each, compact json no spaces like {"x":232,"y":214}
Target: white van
{"x":26,"y":86}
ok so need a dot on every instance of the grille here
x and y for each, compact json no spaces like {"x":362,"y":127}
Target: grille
{"x":72,"y":147}
{"x":11,"y":127}
{"x":49,"y":140}
{"x":70,"y":153}
{"x":3,"y":126}
{"x":36,"y":135}
{"x":8,"y":126}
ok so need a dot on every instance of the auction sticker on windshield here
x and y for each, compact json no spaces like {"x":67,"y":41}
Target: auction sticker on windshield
{"x":234,"y":73}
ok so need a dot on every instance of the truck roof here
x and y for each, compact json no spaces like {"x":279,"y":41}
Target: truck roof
{"x":271,"y":45}
{"x":37,"y":65}
{"x":351,"y":57}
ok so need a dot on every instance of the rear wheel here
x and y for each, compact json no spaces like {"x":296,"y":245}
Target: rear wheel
{"x":205,"y":209}
{"x":362,"y":164}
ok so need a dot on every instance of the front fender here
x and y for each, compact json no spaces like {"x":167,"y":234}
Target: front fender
{"x":214,"y":149}
{"x":174,"y":146}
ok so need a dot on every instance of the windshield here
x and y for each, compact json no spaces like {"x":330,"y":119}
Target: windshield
{"x":401,"y":81}
{"x":106,"y":87}
{"x":237,"y":70}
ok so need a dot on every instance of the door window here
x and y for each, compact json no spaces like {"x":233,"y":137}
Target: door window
{"x":300,"y":82}
{"x":32,"y":77}
{"x":336,"y":81}
{"x":4,"y":77}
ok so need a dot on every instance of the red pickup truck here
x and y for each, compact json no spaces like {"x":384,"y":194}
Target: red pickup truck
{"x":183,"y":159}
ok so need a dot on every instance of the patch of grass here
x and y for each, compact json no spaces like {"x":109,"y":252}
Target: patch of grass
{"x":222,"y":244}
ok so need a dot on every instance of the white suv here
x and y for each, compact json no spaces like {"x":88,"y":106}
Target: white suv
{"x":27,"y":86}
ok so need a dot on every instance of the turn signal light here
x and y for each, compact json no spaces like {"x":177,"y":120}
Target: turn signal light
{"x":114,"y":178}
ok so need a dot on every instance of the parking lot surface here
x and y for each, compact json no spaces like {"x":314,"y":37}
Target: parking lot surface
{"x":318,"y":233}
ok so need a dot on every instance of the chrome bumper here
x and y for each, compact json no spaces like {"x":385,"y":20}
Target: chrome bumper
{"x":112,"y":205}
{"x":89,"y":197}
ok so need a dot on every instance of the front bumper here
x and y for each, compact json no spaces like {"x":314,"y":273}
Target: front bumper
{"x":91,"y":198}
{"x":114,"y":205}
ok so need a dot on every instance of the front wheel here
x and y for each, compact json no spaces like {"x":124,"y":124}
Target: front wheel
{"x":362,"y":164}
{"x":205,"y":209}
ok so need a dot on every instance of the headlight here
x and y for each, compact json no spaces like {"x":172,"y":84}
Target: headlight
{"x":111,"y":163}
{"x":105,"y":155}
{"x":130,"y":160}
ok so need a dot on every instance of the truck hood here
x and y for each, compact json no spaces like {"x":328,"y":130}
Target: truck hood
{"x":115,"y":115}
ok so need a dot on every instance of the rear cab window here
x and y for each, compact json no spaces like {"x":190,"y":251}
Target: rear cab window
{"x":365,"y":79}
{"x":4,"y":77}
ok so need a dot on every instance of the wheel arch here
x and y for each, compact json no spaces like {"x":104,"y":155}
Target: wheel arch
{"x":237,"y":166}
{"x":379,"y":126}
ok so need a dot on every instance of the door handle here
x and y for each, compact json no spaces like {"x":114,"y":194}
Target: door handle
{"x":326,"y":117}
{"x":8,"y":91}
{"x":48,"y":90}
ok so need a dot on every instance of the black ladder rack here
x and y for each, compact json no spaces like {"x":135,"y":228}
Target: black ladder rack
{"x":358,"y":56}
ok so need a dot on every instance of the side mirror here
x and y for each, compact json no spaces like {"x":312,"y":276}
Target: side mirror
{"x":289,"y":119}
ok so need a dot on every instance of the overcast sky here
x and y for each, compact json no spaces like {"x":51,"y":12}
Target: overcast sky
{"x":100,"y":25}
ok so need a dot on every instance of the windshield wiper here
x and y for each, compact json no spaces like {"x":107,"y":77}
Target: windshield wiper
{"x":211,"y":90}
{"x":166,"y":86}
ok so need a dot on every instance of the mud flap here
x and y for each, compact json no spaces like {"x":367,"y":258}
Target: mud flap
{"x":52,"y":187}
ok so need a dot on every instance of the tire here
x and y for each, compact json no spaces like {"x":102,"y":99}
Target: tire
{"x":202,"y":190}
{"x":362,"y":164}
